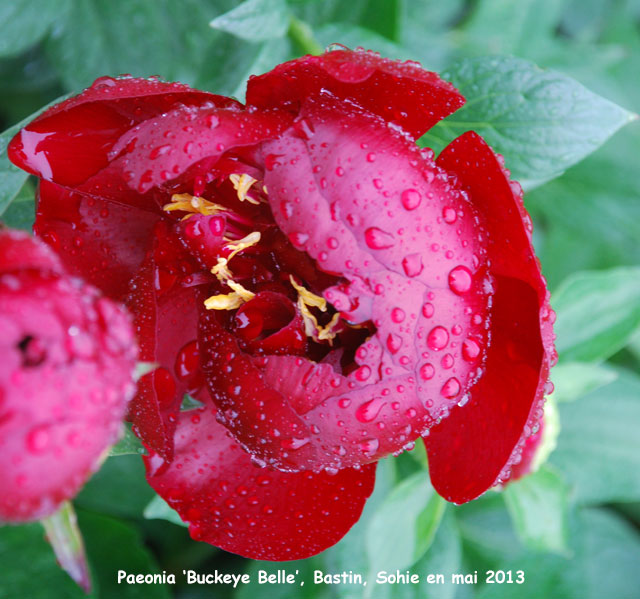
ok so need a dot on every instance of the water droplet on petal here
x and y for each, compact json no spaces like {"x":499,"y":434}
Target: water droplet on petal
{"x":451,"y":388}
{"x":460,"y":280}
{"x":412,"y":265}
{"x":470,"y":349}
{"x":410,"y":199}
{"x":427,"y":371}
{"x":369,"y":410}
{"x":438,"y":338}
{"x":377,"y":239}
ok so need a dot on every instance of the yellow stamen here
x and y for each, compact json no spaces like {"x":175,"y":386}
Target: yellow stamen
{"x":229,"y":301}
{"x":310,"y":299}
{"x":242,"y":184}
{"x":221,"y":269}
{"x":326,"y":332}
{"x":192,"y":204}
{"x":307,"y":299}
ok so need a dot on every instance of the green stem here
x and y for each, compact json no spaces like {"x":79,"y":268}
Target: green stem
{"x":302,"y":35}
{"x":65,"y":538}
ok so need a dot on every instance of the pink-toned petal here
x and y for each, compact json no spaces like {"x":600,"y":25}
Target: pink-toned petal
{"x":102,"y":242}
{"x":259,"y":513}
{"x":19,"y":252}
{"x":472,"y":449}
{"x":159,"y":150}
{"x":365,"y":204}
{"x":71,"y":141}
{"x":402,"y":93}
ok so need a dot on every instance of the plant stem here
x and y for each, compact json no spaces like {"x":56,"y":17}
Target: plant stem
{"x":302,"y":35}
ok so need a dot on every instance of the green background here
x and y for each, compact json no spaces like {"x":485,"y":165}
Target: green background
{"x":573,"y":527}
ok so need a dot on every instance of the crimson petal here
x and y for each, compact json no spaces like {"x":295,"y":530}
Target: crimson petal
{"x":255,"y":512}
{"x":102,"y":242}
{"x":378,"y":84}
{"x":472,"y":449}
{"x":72,"y":140}
{"x":165,"y":312}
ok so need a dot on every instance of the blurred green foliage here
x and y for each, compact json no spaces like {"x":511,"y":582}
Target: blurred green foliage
{"x":573,"y":527}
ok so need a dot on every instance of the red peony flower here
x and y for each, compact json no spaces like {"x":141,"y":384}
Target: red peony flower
{"x":324,"y":287}
{"x":67,"y":355}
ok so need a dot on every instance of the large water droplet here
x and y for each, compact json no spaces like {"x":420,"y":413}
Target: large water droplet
{"x":412,"y":265}
{"x":410,"y":199}
{"x":377,"y":239}
{"x":369,"y":410}
{"x":427,"y":371}
{"x":460,"y":280}
{"x":438,"y":338}
{"x":451,"y":388}
{"x":470,"y":349}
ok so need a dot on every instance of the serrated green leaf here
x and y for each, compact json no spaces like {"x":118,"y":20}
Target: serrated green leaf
{"x":403,"y":527}
{"x":159,"y":509}
{"x":598,"y":449}
{"x":25,"y":22}
{"x":538,"y":504}
{"x":541,"y":121}
{"x":575,"y":379}
{"x":255,"y":20}
{"x":597,"y":313}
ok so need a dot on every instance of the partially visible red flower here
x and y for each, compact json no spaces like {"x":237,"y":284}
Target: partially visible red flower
{"x":327,"y":289}
{"x":67,"y":356}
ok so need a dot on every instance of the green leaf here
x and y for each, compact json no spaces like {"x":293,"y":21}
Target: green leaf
{"x":598,"y":449}
{"x":605,"y":556}
{"x":27,"y":561}
{"x":140,"y":37}
{"x":119,"y":488}
{"x":538,"y":504}
{"x":129,"y":444}
{"x":20,"y":213}
{"x":572,"y":380}
{"x":232,"y":61}
{"x":113,"y":545}
{"x":255,"y":20}
{"x":597,"y":313}
{"x":159,"y":509}
{"x":504,"y":27}
{"x":25,"y":22}
{"x":541,"y":121}
{"x":12,"y":179}
{"x":403,"y":527}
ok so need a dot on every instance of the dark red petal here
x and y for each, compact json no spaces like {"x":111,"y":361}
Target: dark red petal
{"x":472,"y":449}
{"x":402,"y":93}
{"x":362,"y":201}
{"x":72,"y":140}
{"x":529,"y":452}
{"x":165,"y":309}
{"x":102,"y":242}
{"x":255,"y":512}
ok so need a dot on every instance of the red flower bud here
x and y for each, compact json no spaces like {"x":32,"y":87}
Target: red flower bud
{"x":65,"y":378}
{"x":321,"y":284}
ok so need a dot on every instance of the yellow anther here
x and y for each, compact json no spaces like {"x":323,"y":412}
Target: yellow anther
{"x":185,"y":202}
{"x":326,"y":332}
{"x":229,"y":301}
{"x":243,"y":244}
{"x":310,"y":299}
{"x":221,"y":269}
{"x":242,"y":184}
